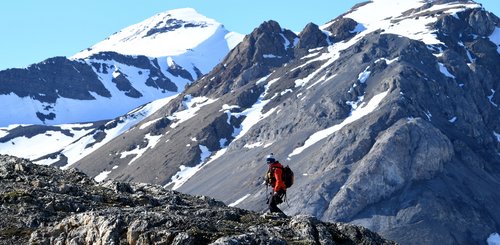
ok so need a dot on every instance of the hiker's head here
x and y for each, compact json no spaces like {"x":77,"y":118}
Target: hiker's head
{"x":270,"y":158}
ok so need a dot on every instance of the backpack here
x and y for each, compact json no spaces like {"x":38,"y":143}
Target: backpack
{"x":287,"y":176}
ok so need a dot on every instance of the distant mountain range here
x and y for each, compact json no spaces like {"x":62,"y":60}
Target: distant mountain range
{"x":144,"y":62}
{"x":81,"y":102}
{"x":388,"y":114}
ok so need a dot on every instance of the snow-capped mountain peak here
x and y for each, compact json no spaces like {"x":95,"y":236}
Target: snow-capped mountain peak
{"x":150,"y":60}
{"x":169,"y":33}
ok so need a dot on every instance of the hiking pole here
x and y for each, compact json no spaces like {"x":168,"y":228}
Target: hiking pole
{"x":286,"y":200}
{"x":267,"y":187}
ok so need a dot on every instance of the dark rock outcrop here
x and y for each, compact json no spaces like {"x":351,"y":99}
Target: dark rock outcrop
{"x":312,"y":37}
{"x":51,"y":79}
{"x":342,"y":29}
{"x":267,"y":47}
{"x":44,"y":205}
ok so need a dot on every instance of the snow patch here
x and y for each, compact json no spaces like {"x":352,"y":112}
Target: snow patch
{"x":493,"y":239}
{"x":253,"y":145}
{"x":323,"y":79}
{"x":271,"y":56}
{"x":332,"y":54}
{"x":445,"y":71}
{"x":497,"y":136}
{"x":138,"y":152}
{"x":227,"y":107}
{"x":182,"y":176}
{"x":191,"y":105}
{"x":233,"y":39}
{"x":469,"y":56}
{"x":388,"y":62}
{"x":311,"y":55}
{"x":222,"y":142}
{"x":328,"y":56}
{"x":102,"y":176}
{"x":186,"y":173}
{"x":363,"y":76}
{"x":490,"y":98}
{"x":454,"y":119}
{"x":428,"y":115}
{"x":286,"y":91}
{"x":264,"y":79}
{"x":286,"y":43}
{"x":147,"y":124}
{"x":357,"y":114}
{"x":354,"y":104}
{"x":254,"y":114}
{"x":215,"y":156}
{"x":205,"y":153}
{"x":239,"y":201}
{"x":359,"y":28}
{"x":47,"y":161}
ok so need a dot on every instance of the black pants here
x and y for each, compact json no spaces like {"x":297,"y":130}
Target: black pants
{"x":276,"y":199}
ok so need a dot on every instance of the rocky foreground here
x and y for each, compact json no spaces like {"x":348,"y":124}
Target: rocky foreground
{"x":45,"y":205}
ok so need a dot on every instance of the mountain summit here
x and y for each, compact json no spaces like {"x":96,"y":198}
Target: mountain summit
{"x":171,"y":33}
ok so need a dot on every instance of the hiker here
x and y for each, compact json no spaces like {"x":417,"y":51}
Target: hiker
{"x":275,"y":180}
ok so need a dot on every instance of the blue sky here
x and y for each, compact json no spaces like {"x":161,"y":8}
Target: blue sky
{"x":34,"y":30}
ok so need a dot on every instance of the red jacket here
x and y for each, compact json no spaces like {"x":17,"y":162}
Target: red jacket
{"x":274,"y":174}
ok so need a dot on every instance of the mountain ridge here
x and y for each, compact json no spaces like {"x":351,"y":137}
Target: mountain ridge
{"x":43,"y":204}
{"x":104,"y":84}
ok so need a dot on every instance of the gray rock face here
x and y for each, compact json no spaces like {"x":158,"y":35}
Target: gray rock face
{"x":44,"y":205}
{"x":403,"y":153}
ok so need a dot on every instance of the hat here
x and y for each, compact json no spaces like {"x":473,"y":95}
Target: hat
{"x":270,"y":158}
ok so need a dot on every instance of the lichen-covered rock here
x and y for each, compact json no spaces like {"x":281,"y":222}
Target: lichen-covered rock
{"x":70,"y":208}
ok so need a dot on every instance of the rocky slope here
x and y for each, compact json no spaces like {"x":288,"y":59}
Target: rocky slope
{"x":44,"y":205}
{"x":389,"y":118}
